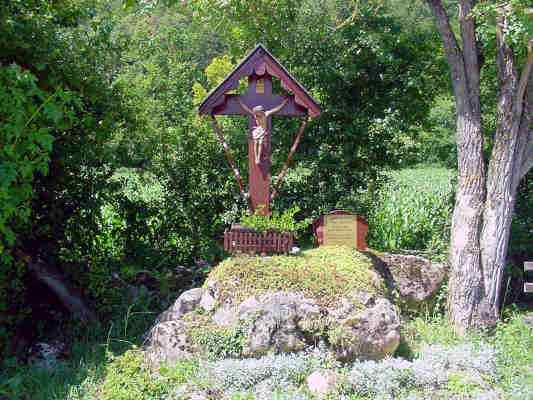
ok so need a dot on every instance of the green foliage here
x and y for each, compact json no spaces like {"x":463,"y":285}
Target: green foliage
{"x":362,"y":74}
{"x":28,"y":117}
{"x":519,"y":27}
{"x":116,"y":175}
{"x":520,"y":241}
{"x":218,"y":69}
{"x":462,"y":384}
{"x":413,"y":211}
{"x":513,"y":339}
{"x":276,"y":221}
{"x":25,"y":147}
{"x":324,"y":273}
{"x":136,"y":181}
{"x":436,"y":144}
{"x":218,"y":342}
{"x":127,"y":379}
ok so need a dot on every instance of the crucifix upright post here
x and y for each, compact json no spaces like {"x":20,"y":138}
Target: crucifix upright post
{"x":259,"y":104}
{"x":259,"y":172}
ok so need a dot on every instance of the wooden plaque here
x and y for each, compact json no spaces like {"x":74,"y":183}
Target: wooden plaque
{"x":340,"y":229}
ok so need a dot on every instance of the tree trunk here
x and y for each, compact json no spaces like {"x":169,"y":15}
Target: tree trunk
{"x":505,"y":168}
{"x":65,"y":292}
{"x":482,"y":219}
{"x":466,"y":290}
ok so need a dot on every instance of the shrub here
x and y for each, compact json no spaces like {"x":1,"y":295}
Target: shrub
{"x":29,"y":117}
{"x":126,"y":379}
{"x":413,"y":211}
{"x":277,"y":221}
{"x":219,"y":342}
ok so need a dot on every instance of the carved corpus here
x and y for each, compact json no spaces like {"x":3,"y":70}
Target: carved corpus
{"x":259,"y":104}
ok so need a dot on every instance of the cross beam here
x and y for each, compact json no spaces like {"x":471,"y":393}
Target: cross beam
{"x":259,"y":93}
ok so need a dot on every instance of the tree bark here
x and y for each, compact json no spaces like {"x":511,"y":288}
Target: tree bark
{"x":484,"y":202}
{"x":466,"y":289}
{"x":509,"y":149}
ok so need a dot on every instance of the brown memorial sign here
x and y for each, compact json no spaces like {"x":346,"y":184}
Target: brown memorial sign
{"x":341,"y":228}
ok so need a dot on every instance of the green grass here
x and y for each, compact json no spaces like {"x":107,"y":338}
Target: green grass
{"x":324,"y":273}
{"x":105,"y":371}
{"x":72,"y":380}
{"x":80,"y":376}
{"x":514,"y":340}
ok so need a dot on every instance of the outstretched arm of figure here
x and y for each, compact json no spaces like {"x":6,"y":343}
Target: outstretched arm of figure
{"x":278,"y":108}
{"x":244,"y":106}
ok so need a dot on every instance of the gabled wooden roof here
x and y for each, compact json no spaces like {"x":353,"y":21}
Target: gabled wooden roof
{"x":260,"y":61}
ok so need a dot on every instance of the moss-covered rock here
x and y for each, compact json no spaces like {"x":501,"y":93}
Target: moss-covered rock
{"x":252,"y":306}
{"x":325,"y":274}
{"x":413,"y":281}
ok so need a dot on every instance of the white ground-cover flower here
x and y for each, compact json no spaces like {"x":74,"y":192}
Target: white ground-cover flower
{"x":480,"y":358}
{"x":283,"y":376}
{"x":280,"y":371}
{"x":384,"y":379}
{"x":394,"y":377}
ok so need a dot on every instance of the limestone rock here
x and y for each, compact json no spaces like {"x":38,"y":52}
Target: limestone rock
{"x":274,"y":321}
{"x":167,"y":342}
{"x":208,"y":302}
{"x":415,"y":278}
{"x":187,"y":302}
{"x":320,"y":383}
{"x":226,"y":315}
{"x":46,"y":355}
{"x":370,"y":332}
{"x":244,"y":312}
{"x":360,"y":325}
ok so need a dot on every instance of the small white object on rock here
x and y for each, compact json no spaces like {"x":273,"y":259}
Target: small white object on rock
{"x":295,"y":250}
{"x":321,"y":383}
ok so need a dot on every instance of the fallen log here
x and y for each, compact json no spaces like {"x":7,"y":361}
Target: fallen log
{"x":58,"y":284}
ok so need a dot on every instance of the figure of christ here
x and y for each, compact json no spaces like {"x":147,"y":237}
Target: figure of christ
{"x":260,"y":130}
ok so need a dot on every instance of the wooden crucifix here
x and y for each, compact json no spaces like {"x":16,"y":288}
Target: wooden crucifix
{"x":259,"y":104}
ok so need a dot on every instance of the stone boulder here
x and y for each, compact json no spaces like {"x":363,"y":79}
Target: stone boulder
{"x":186,"y":302}
{"x":277,"y":322}
{"x":368,"y":328}
{"x":416,"y":279}
{"x":361,"y":325}
{"x":321,"y":383}
{"x":168,"y":341}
